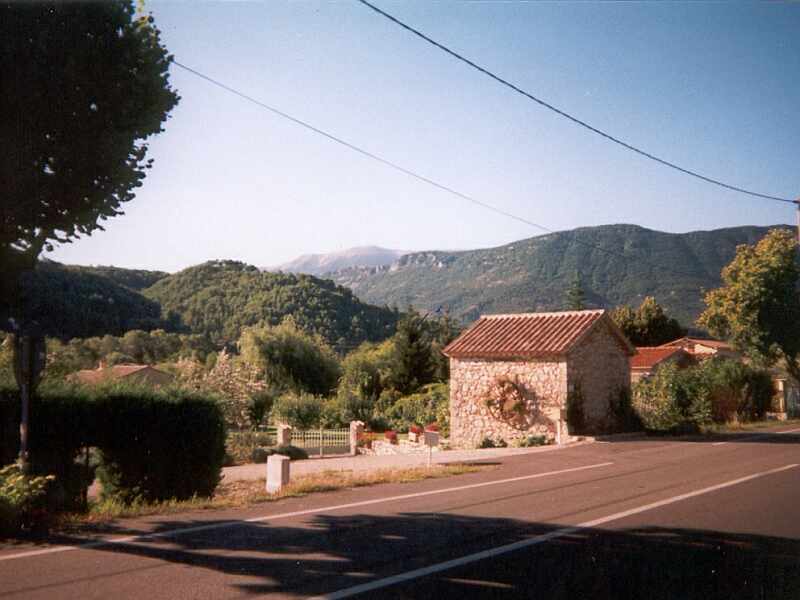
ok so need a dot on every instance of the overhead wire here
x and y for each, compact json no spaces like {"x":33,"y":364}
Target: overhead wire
{"x":567,"y":115}
{"x":415,"y":175}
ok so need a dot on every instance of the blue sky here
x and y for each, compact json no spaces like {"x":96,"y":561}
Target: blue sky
{"x":710,"y":86}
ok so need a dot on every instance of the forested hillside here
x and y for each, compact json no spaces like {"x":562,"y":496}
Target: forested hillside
{"x":74,"y":302}
{"x":221,"y":297}
{"x":135,"y":279}
{"x":616,"y":264}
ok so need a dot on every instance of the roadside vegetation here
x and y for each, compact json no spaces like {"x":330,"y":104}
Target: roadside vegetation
{"x":241,"y":494}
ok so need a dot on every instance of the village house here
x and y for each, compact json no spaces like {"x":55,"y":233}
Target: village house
{"x":648,"y":359}
{"x":511,"y":375}
{"x":140,"y":374}
{"x":704,"y":348}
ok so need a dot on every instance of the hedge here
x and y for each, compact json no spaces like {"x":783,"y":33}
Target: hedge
{"x":154,"y":445}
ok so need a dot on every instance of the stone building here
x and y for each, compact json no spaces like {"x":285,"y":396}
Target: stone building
{"x":510,"y":375}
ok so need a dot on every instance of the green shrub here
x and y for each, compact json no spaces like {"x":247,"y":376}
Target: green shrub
{"x":531,"y":441}
{"x":576,"y":417}
{"x":259,"y":408}
{"x":430,"y":405}
{"x":737,"y":390}
{"x":154,"y":444}
{"x":293,"y":452}
{"x":20,"y":496}
{"x":158,"y":445}
{"x":488,"y":442}
{"x":260,"y":455}
{"x":300,"y":410}
{"x":673,"y":400}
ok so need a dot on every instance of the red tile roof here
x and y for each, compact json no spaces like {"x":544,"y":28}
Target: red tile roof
{"x":100,"y":375}
{"x":528,"y":335}
{"x":647,"y":357}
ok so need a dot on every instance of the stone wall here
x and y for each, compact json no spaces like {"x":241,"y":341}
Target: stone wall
{"x":544,"y":386}
{"x":601,"y":366}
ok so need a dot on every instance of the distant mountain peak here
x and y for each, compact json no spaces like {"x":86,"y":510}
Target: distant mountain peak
{"x":359,"y":256}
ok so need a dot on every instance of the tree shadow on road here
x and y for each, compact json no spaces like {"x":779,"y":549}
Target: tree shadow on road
{"x":327,"y":553}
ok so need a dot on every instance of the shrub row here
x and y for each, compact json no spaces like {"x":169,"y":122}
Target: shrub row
{"x":154,"y":445}
{"x":682,"y":400}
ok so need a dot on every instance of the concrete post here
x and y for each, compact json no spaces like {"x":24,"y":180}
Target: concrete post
{"x":277,"y":472}
{"x":284,"y":434}
{"x":356,"y":429}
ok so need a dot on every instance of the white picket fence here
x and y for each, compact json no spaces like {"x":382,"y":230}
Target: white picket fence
{"x":320,"y":441}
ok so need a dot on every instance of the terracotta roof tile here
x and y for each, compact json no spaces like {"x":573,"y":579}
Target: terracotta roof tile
{"x":648,"y":357}
{"x":526,"y":335}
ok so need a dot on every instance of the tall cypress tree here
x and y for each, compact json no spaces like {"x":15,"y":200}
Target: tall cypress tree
{"x":576,"y":299}
{"x":414,"y":367}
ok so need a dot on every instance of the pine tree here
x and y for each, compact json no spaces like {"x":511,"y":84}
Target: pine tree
{"x":576,"y":299}
{"x":414,"y":367}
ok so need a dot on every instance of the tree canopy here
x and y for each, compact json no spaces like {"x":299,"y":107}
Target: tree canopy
{"x":758,"y":306}
{"x":221,"y":298}
{"x":648,"y":325}
{"x":85,"y":85}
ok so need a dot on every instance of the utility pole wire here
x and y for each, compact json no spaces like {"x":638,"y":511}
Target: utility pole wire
{"x":565,"y":114}
{"x":417,"y":176}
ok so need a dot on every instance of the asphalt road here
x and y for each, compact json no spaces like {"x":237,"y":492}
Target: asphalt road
{"x":654,"y":518}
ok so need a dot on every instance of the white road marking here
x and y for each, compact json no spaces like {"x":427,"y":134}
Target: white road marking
{"x":758,"y":435}
{"x":492,"y":552}
{"x":299,"y":513}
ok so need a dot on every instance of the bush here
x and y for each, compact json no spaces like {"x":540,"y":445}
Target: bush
{"x":154,"y":444}
{"x":415,"y":429}
{"x":391,"y":436}
{"x":430,"y":405}
{"x":737,"y":390}
{"x":673,"y":400}
{"x":300,"y":410}
{"x":259,"y":408}
{"x":20,"y":496}
{"x":488,"y":442}
{"x":531,"y":441}
{"x":293,"y":452}
{"x":158,"y":445}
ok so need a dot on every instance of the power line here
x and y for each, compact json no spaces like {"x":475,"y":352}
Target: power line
{"x":410,"y":173}
{"x":566,"y":115}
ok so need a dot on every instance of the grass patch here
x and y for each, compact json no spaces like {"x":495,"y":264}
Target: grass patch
{"x":735,"y":426}
{"x":239,"y":494}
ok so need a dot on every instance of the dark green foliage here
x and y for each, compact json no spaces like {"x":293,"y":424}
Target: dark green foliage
{"x":155,"y":445}
{"x":134,"y":279}
{"x":615,"y":262}
{"x":69,"y":302}
{"x":488,"y":442}
{"x":260,"y":455}
{"x":85,"y":85}
{"x":159,"y":445}
{"x":648,"y":325}
{"x":413,"y":367}
{"x":738,"y":391}
{"x":293,"y":452}
{"x":221,"y":298}
{"x":621,"y":415}
{"x":576,"y":298}
{"x":576,"y":416}
{"x":259,"y":408}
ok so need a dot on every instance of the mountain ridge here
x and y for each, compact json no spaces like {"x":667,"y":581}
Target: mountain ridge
{"x":617,"y":264}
